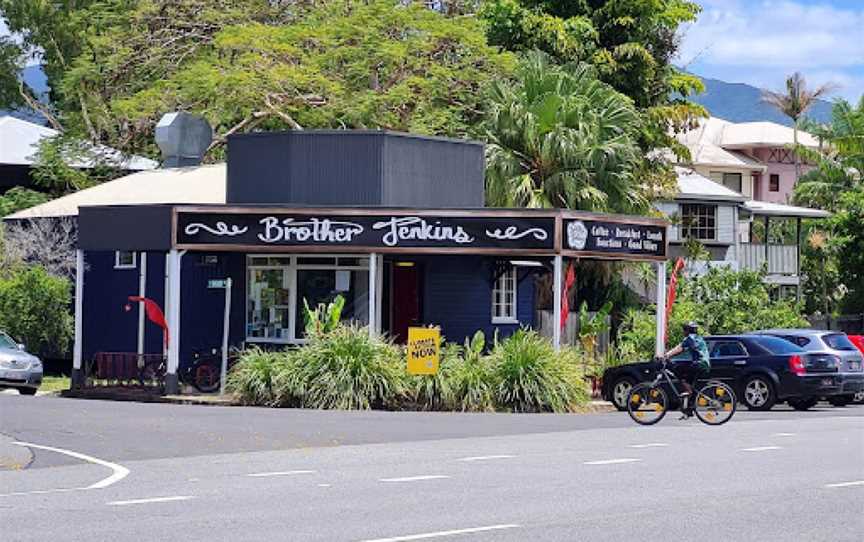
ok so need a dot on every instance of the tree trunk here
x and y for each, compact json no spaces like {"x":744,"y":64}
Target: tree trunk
{"x":795,"y":142}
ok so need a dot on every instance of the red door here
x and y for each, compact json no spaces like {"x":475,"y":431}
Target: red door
{"x":405,"y":302}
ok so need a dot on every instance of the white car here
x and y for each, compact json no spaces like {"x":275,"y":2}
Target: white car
{"x":18,"y":369}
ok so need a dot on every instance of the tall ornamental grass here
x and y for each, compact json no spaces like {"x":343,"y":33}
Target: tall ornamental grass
{"x":347,"y":369}
{"x":530,"y":376}
{"x":251,"y":379}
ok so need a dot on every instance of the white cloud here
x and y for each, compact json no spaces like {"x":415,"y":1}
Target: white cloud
{"x":762,"y":41}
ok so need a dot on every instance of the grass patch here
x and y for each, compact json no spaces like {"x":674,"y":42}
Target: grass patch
{"x":55,"y":383}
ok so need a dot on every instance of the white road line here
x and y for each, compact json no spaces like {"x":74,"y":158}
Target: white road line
{"x":120,"y":471}
{"x":485,"y":457}
{"x":783,"y":435}
{"x":281,"y":473}
{"x":649,"y":445}
{"x":151,"y":500}
{"x":41,"y":492}
{"x":760,"y":449}
{"x":612,"y":461}
{"x":441,"y":534}
{"x":847,"y":484}
{"x":415,"y":478}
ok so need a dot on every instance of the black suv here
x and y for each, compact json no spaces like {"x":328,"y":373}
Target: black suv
{"x":761,"y":369}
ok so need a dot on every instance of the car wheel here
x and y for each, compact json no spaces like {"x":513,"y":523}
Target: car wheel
{"x":758,"y":393}
{"x":803,"y":404}
{"x":841,"y":400}
{"x":27,"y":391}
{"x":858,"y":398}
{"x":620,"y":391}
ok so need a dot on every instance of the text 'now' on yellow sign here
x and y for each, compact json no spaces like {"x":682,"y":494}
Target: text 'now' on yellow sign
{"x":423,"y":350}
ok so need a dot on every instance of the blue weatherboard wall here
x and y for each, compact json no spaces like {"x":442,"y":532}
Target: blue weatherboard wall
{"x":107,"y":327}
{"x":457,"y":296}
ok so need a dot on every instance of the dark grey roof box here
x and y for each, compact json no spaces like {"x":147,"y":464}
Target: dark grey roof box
{"x":354,"y":167}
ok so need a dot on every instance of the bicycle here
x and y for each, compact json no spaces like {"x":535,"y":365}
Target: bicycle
{"x":647,"y":403}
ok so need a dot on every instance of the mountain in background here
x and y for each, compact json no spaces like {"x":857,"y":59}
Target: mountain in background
{"x":35,"y":78}
{"x":738,"y":102}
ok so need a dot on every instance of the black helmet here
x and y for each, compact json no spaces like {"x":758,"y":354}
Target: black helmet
{"x":691,"y":327}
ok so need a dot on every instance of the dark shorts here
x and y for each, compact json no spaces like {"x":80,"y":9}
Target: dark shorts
{"x":690,"y":371}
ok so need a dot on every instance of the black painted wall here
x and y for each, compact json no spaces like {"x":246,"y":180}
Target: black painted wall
{"x":354,"y":168}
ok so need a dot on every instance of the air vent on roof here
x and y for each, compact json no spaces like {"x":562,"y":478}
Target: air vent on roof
{"x":183,"y":139}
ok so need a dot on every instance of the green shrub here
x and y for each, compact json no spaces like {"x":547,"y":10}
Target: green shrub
{"x":252,"y":378}
{"x":348,"y":369}
{"x":290,"y":380}
{"x":433,"y":392}
{"x":34,"y":309}
{"x":472,"y":387}
{"x":530,"y":376}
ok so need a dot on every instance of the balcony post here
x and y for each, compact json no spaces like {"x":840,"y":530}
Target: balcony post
{"x":798,"y":256}
{"x":767,"y":254}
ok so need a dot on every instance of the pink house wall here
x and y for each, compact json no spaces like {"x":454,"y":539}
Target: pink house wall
{"x":787,"y":178}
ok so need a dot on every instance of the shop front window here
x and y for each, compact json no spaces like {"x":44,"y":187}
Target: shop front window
{"x":278,"y":287}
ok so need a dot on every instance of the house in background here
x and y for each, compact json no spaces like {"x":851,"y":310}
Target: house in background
{"x":19,"y":143}
{"x":752,"y":158}
{"x":731,"y":226}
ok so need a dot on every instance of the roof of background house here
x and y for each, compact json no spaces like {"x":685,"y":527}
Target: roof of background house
{"x":741,"y":135}
{"x":193,"y":185}
{"x":691,"y":185}
{"x":766,"y":208}
{"x":19,"y":141}
{"x":712,"y":155}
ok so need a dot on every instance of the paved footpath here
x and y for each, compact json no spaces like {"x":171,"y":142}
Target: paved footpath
{"x":159,"y":472}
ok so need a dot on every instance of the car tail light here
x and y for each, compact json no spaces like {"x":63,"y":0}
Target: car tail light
{"x":796,"y":365}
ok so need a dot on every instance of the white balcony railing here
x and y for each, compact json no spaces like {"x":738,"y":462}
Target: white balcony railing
{"x":782,"y":259}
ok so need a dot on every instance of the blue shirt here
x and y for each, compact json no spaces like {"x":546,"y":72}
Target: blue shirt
{"x":698,"y":349}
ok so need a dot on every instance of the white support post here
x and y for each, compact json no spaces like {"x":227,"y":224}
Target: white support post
{"x":77,"y":352}
{"x":226,"y":331}
{"x":166,"y":298}
{"x":556,"y":312}
{"x":660,"y":348}
{"x":379,"y":299}
{"x":142,"y":292}
{"x":172,"y":385}
{"x":373,"y":294}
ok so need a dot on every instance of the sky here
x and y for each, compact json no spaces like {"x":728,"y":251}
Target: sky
{"x":761,"y":42}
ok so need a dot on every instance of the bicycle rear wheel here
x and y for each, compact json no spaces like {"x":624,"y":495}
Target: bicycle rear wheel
{"x":647,"y":404}
{"x":715,"y":403}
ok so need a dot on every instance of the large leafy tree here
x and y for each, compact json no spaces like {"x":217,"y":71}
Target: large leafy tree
{"x":271,"y":65}
{"x":559,"y":137}
{"x":832,"y":256}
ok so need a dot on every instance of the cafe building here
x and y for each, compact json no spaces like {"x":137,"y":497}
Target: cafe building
{"x":394,"y":223}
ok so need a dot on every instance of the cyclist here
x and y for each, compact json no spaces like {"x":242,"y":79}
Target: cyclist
{"x":688,"y":371}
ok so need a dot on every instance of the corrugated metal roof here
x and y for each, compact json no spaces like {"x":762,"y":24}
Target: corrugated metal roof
{"x":763,"y":208}
{"x":19,"y":142}
{"x":691,"y":185}
{"x":193,"y":185}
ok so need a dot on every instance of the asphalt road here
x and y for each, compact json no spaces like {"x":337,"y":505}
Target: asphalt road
{"x":218,"y":473}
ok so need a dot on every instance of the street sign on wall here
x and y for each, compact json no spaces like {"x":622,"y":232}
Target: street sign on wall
{"x":423,"y":350}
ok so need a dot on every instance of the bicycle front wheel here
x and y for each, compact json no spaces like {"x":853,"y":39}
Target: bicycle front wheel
{"x":647,"y":404}
{"x":715,"y":403}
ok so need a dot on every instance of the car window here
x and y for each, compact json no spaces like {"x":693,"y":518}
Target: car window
{"x":776,"y":345}
{"x":800,"y":341}
{"x":6,"y":341}
{"x":722,"y":349}
{"x":838,"y":341}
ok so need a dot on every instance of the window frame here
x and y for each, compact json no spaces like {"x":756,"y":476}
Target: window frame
{"x":740,"y":180}
{"x":289,"y":266}
{"x":118,"y":265}
{"x":771,"y":186}
{"x":685,"y":230}
{"x":508,"y":279}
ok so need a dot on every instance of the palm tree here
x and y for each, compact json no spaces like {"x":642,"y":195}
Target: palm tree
{"x":794,"y":103}
{"x":558,"y":137}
